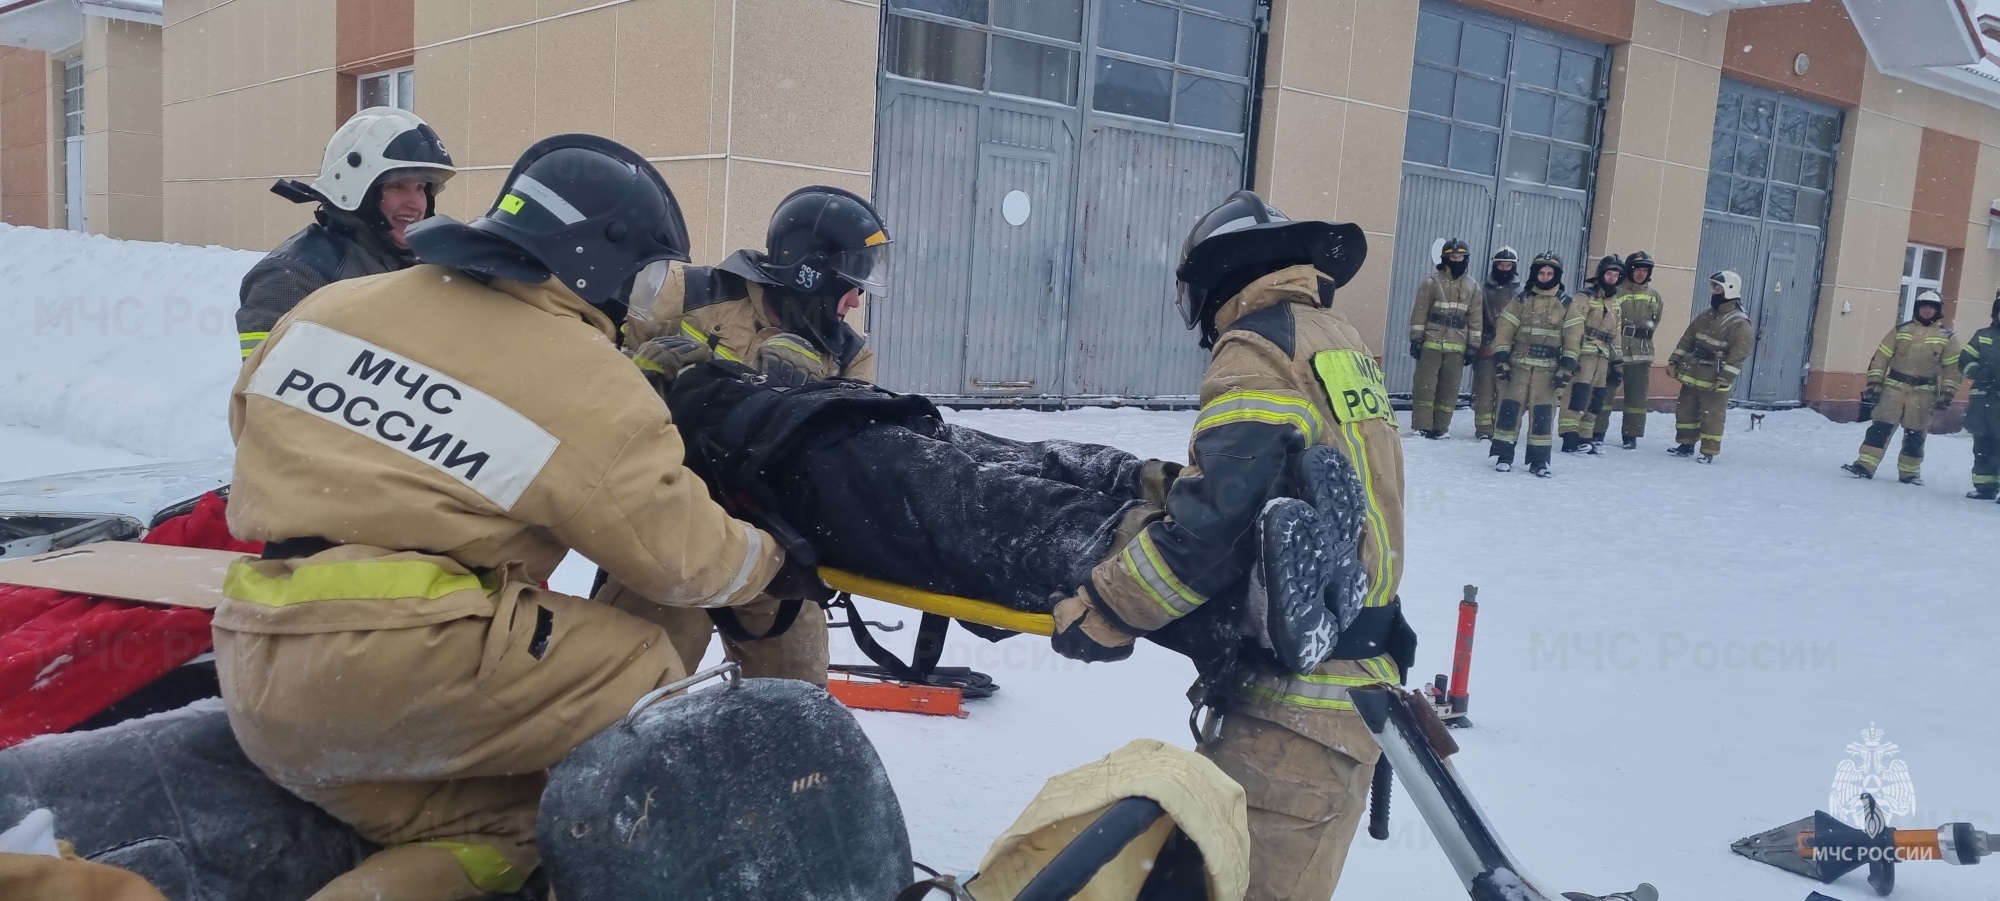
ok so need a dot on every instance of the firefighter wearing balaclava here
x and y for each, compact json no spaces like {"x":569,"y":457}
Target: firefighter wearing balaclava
{"x":419,"y":451}
{"x":1503,"y":282}
{"x":1913,"y":374}
{"x":1707,"y":362}
{"x":1535,"y":358}
{"x":380,"y":175}
{"x":1639,"y":306}
{"x":1445,"y":329}
{"x":782,"y":311}
{"x":1980,"y":364}
{"x":1599,"y":367}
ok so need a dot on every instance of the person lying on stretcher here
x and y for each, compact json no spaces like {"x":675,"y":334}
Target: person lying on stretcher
{"x":876,"y":483}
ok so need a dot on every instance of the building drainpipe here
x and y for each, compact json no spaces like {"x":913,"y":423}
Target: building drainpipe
{"x":1257,"y":80}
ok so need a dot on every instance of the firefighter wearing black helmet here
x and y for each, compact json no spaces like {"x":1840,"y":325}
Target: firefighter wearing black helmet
{"x":1445,"y":328}
{"x":418,"y":451}
{"x":1286,"y":372}
{"x":1503,"y":282}
{"x":1535,"y":357}
{"x":782,"y":311}
{"x":1598,"y":356}
{"x":1979,"y":362}
{"x":1640,"y":307}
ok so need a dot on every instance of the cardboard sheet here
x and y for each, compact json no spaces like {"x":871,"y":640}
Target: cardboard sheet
{"x":128,"y":570}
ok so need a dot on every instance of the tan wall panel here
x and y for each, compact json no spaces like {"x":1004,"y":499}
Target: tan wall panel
{"x":575,"y":73}
{"x":502,"y":96}
{"x":815,"y":108}
{"x":1606,"y":21}
{"x":1763,"y":43}
{"x":670,"y":100}
{"x":1943,"y":190}
{"x":753,"y":191}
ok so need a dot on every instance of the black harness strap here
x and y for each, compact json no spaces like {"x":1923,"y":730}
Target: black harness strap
{"x":923,"y":661}
{"x":731,"y":626}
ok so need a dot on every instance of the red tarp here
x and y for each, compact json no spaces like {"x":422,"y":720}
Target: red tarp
{"x":65,"y":657}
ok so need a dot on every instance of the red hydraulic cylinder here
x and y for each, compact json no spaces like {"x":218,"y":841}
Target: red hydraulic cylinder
{"x":1461,"y":658}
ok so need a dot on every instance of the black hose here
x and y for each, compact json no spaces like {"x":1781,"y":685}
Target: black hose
{"x":1077,"y":863}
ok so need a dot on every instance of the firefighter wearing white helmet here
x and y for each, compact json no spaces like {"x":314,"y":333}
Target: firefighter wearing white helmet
{"x":1707,"y":362}
{"x":381,"y":173}
{"x":1913,"y":375}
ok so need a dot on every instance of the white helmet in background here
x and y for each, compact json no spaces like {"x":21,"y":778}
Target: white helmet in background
{"x":1730,"y":283}
{"x":377,"y":141}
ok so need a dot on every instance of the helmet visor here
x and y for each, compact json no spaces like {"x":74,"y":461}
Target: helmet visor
{"x":866,"y":267}
{"x":646,"y":291}
{"x":1185,"y":301}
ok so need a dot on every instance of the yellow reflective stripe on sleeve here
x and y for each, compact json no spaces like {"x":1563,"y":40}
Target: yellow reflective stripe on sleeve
{"x":688,"y":329}
{"x":1261,"y":406}
{"x":1510,"y":317}
{"x":357,"y":579}
{"x":789,"y":344}
{"x":490,"y":871}
{"x":648,"y":365}
{"x":1142,"y":557}
{"x":1381,"y":586}
{"x":249,"y":341}
{"x":1444,"y":346}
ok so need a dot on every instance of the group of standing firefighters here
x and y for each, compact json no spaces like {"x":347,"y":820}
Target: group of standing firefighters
{"x":1557,"y":361}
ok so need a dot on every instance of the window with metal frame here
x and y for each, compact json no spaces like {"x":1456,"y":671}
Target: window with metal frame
{"x":72,"y":98}
{"x":1923,"y":267}
{"x":1770,"y":159}
{"x":396,"y":87}
{"x":1181,"y":61}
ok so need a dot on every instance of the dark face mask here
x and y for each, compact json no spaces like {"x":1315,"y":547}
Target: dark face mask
{"x":1716,"y":299}
{"x":1501,"y":276}
{"x":1456,"y":267}
{"x":814,"y":316}
{"x":1542,"y":284}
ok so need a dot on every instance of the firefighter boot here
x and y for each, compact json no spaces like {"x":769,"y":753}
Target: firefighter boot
{"x":1538,"y":461}
{"x":1984,"y":492}
{"x":1857,"y":470}
{"x":1631,"y":443}
{"x":1682,"y":450}
{"x":1286,"y":606}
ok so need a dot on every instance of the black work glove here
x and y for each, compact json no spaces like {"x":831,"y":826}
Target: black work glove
{"x":798,"y":583}
{"x":1084,"y":632}
{"x":1416,"y":348}
{"x":1870,"y":396}
{"x":1944,"y":401}
{"x":662,"y":359}
{"x":1503,"y":370}
{"x":1616,"y":377}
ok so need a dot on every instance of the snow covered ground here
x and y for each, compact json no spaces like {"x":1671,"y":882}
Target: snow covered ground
{"x":1670,"y":656}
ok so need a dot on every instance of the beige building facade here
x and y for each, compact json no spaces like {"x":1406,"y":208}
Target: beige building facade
{"x":1579,"y":126}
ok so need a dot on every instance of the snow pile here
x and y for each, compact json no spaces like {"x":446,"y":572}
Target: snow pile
{"x":130,"y":344}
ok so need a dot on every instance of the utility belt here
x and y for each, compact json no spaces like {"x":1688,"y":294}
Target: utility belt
{"x":1914,"y":381}
{"x":1638,"y":331}
{"x":1448,"y":320}
{"x":1598,"y":334}
{"x":1543,"y":351}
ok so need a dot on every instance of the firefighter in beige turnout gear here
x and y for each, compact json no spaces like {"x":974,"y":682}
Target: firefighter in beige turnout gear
{"x":1599,"y":351}
{"x":1913,"y":374}
{"x":751,"y":310}
{"x":1706,"y":362}
{"x":1535,"y":356}
{"x":1286,"y":373}
{"x":1639,"y":308}
{"x":419,"y":450}
{"x":1502,"y":284}
{"x":1445,"y":329}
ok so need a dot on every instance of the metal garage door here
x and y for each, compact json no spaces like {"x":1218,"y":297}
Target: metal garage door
{"x":1040,"y":162}
{"x":1770,"y":173}
{"x":1501,"y":149}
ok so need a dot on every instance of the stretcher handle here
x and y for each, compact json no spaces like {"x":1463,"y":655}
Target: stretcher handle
{"x":984,"y":613}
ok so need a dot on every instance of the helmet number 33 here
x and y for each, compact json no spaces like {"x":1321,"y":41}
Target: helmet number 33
{"x":1353,"y":385}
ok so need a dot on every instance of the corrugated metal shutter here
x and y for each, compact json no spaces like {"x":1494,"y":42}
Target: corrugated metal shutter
{"x":936,"y":140}
{"x":1431,"y":205}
